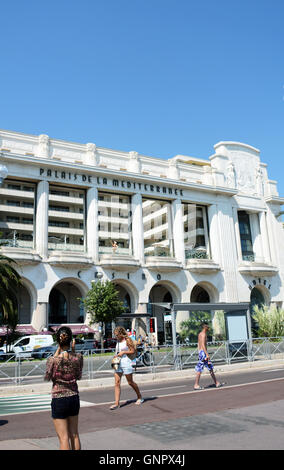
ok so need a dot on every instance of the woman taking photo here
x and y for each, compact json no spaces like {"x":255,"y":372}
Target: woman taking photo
{"x":64,"y":369}
{"x":124,"y":349}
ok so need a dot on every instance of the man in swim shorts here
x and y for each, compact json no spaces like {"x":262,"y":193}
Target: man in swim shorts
{"x":203,"y":358}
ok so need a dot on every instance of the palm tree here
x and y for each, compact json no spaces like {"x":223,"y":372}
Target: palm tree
{"x":10,"y":280}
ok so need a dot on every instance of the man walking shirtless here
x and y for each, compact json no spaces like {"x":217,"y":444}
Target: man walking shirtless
{"x":203,"y":358}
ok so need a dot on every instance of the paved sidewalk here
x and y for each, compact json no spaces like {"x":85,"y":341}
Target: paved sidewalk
{"x":257,"y":427}
{"x":93,"y":384}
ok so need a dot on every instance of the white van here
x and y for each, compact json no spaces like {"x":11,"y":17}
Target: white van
{"x":25,"y":345}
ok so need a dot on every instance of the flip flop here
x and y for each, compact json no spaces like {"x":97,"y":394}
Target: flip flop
{"x":198,"y":388}
{"x":114,"y":407}
{"x":139,"y":401}
{"x":219,"y":385}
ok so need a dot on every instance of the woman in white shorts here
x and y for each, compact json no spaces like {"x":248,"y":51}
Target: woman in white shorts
{"x":124,"y":348}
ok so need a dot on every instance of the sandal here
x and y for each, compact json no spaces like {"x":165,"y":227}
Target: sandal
{"x":198,"y":388}
{"x":219,"y":385}
{"x":139,"y":401}
{"x":114,"y":407}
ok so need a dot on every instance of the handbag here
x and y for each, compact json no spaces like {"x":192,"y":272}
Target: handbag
{"x":115,"y":361}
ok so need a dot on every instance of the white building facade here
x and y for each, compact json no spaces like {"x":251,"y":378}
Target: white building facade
{"x":177,"y":230}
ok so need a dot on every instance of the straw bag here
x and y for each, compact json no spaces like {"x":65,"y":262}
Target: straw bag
{"x":115,"y":362}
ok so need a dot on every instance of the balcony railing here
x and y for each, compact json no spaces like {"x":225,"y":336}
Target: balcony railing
{"x":161,"y":251}
{"x":196,"y":253}
{"x":115,"y":251}
{"x":250,"y":258}
{"x":16,"y":243}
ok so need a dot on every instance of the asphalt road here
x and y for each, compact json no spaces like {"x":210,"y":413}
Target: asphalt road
{"x":246,"y":413}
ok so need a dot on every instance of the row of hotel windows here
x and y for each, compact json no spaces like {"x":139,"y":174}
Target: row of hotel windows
{"x":67,"y":222}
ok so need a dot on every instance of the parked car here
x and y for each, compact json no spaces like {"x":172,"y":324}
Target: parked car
{"x":45,"y":351}
{"x":109,"y":344}
{"x":86,"y":345}
{"x":25,"y":345}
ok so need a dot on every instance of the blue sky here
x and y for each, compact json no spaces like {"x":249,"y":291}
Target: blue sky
{"x":162,"y":77}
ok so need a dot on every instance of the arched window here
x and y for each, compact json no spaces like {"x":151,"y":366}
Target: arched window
{"x":199,"y":295}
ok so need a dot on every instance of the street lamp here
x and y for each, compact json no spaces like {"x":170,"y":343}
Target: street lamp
{"x":3,"y":173}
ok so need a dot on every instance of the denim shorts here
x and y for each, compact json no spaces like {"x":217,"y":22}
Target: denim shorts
{"x":125,"y":368}
{"x":62,"y":408}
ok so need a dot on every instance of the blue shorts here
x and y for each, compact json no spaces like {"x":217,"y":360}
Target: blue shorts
{"x":202,"y":361}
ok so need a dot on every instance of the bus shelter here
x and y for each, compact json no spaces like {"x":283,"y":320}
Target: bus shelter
{"x":237,"y":318}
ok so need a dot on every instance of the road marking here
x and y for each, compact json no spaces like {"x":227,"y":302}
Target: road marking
{"x":164,"y":388}
{"x":28,"y":404}
{"x":271,"y":370}
{"x":222,"y":388}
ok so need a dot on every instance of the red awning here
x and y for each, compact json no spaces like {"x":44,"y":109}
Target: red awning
{"x":77,"y":329}
{"x":21,"y":329}
{"x":26,"y":330}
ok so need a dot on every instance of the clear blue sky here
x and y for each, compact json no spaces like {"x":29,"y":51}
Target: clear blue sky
{"x":162,"y":77}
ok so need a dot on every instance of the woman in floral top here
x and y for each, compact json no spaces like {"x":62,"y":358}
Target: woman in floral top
{"x":64,"y":369}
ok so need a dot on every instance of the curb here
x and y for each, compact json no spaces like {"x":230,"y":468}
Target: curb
{"x":107,"y":382}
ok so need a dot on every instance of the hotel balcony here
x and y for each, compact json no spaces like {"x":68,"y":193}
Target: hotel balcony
{"x":199,"y":261}
{"x":158,"y":258}
{"x":69,"y":258}
{"x":256,"y":266}
{"x":20,"y":250}
{"x":118,"y":259}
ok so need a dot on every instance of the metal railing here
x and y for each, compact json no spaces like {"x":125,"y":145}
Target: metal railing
{"x":18,"y":369}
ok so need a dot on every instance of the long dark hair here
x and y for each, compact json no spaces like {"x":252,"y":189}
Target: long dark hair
{"x":64,"y":336}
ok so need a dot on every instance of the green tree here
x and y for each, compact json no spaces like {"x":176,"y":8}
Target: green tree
{"x":269,"y":321}
{"x":190,"y":328}
{"x":219,"y":325}
{"x":103,"y":304}
{"x":10,"y":281}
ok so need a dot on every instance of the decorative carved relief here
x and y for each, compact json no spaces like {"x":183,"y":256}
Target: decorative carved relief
{"x":91,"y":154}
{"x":43,"y":146}
{"x":231,"y":175}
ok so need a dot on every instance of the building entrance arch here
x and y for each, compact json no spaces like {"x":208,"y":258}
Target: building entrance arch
{"x":160,"y":326}
{"x":128,"y":295}
{"x":24,"y":305}
{"x":199,"y":295}
{"x":258,"y":298}
{"x":64,"y":305}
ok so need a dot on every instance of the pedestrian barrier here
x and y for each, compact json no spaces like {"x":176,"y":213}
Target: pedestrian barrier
{"x":19,"y":369}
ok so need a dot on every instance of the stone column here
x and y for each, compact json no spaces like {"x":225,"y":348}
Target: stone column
{"x":272,"y":237}
{"x":178,"y":230}
{"x":137,"y":227}
{"x":92,"y":224}
{"x":41,"y":230}
{"x":264,"y":237}
{"x":228,"y":251}
{"x":213,"y":230}
{"x":237,"y":234}
{"x":256,"y":240}
{"x":40,"y":319}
